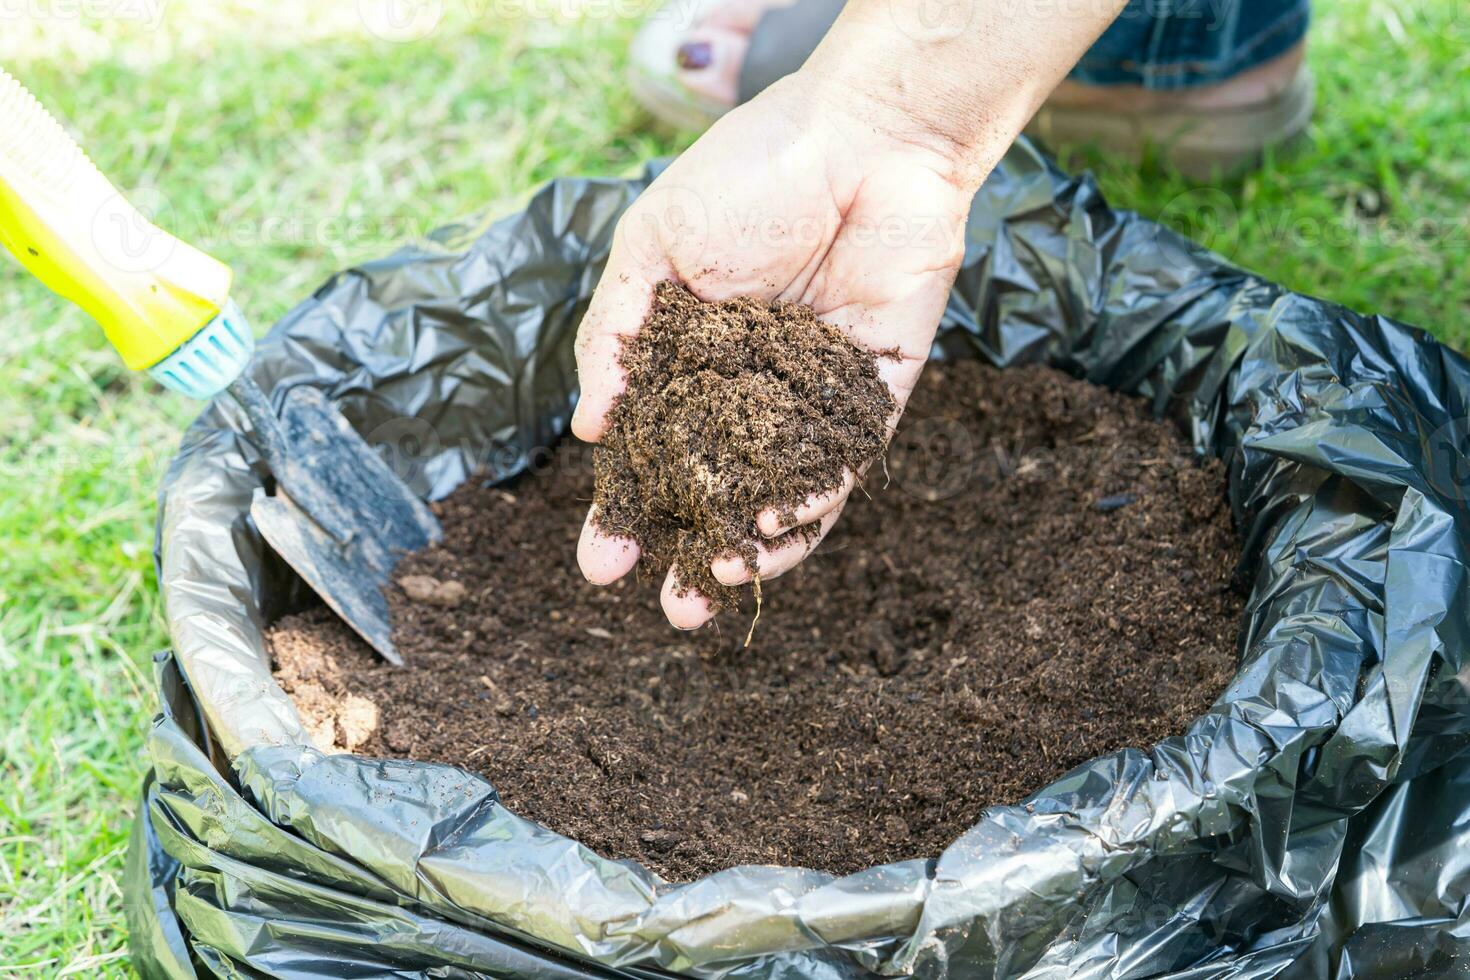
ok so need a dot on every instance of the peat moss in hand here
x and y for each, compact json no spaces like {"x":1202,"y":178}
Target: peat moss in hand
{"x":730,"y":409}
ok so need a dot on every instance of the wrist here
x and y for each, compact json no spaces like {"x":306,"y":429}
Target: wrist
{"x":932,"y":96}
{"x":957,"y":78}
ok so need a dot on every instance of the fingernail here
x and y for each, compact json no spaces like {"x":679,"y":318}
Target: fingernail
{"x":694,"y":55}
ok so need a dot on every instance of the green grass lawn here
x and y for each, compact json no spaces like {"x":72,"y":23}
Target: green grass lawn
{"x":293,"y":142}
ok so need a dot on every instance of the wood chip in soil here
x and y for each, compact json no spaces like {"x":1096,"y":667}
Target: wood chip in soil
{"x":1044,"y":575}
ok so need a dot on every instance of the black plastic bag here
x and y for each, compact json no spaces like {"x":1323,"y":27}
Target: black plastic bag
{"x":1312,"y":824}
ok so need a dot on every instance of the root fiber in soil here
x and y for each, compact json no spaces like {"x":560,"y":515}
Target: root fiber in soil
{"x":1043,"y":575}
{"x":730,"y":408}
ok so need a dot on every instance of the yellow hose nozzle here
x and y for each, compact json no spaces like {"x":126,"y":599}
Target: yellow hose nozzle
{"x":66,"y":223}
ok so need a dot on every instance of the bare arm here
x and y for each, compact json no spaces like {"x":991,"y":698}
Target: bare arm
{"x":844,"y":186}
{"x":962,"y":77}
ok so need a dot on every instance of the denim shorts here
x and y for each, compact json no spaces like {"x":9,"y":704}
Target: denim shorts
{"x":1173,"y":44}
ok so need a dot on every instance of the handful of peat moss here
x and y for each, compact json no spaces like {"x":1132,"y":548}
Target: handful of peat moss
{"x":731,"y":408}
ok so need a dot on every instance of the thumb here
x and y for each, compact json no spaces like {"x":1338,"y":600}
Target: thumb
{"x":666,"y":228}
{"x":619,"y":305}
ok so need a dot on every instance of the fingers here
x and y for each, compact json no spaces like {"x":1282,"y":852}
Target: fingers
{"x":619,"y":305}
{"x":817,"y":506}
{"x":604,"y":558}
{"x":689,"y":611}
{"x":775,"y":558}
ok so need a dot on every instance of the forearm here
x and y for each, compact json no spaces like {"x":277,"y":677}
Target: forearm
{"x":960,"y":76}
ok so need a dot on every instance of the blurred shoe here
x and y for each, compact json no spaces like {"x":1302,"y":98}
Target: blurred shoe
{"x":1212,"y":129}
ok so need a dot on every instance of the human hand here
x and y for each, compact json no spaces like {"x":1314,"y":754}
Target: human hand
{"x":793,"y":198}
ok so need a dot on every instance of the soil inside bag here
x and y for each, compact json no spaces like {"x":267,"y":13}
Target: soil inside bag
{"x":1037,"y":573}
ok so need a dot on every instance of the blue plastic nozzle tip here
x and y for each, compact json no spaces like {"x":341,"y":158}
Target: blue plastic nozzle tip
{"x":206,"y":363}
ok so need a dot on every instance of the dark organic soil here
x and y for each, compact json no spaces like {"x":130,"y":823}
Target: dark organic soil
{"x":1044,"y":578}
{"x":730,"y":408}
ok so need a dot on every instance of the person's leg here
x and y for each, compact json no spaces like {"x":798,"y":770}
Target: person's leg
{"x":1150,"y":78}
{"x":1208,"y":83}
{"x":1201,"y":46}
{"x":1254,"y":84}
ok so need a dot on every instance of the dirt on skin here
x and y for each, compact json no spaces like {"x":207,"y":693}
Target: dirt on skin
{"x":730,"y":408}
{"x":1045,"y":577}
